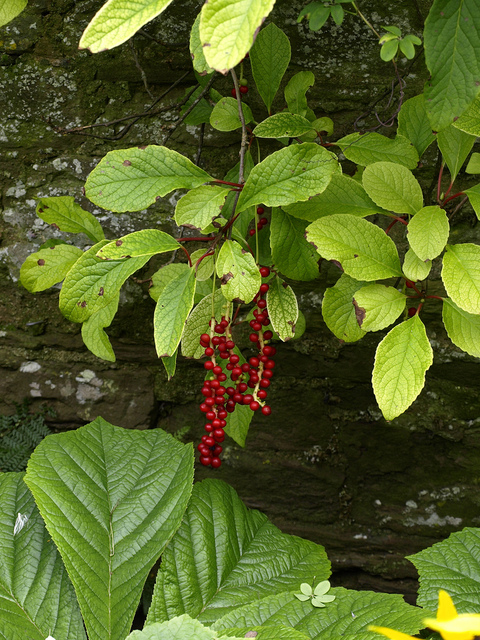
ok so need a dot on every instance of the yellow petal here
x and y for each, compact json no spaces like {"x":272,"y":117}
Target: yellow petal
{"x":446,"y":608}
{"x":464,"y":627}
{"x":391,"y":633}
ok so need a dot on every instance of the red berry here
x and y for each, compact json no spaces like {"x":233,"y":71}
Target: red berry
{"x":411,"y":312}
{"x":256,"y":326}
{"x":254,"y":362}
{"x":268,"y":335}
{"x":245,"y":367}
{"x":217,"y":370}
{"x":230,"y":391}
{"x":270,"y":364}
{"x":238,"y":398}
{"x":208,"y":365}
{"x":266,"y":410}
{"x":229,"y":366}
{"x":247,"y":398}
{"x":267,"y":351}
{"x":217,"y":450}
{"x":254,"y":378}
{"x":216,"y":340}
{"x":219,"y":438}
{"x":253,"y":337}
{"x":262,"y":394}
{"x":409,"y":284}
{"x":251,"y":232}
{"x":219,"y":400}
{"x":204,"y":407}
{"x":222,"y":377}
{"x":264,"y":383}
{"x":209,"y":351}
{"x":268,"y":373}
{"x":264,"y":288}
{"x":209,"y":427}
{"x":205,"y":338}
{"x":230,"y":408}
{"x":243,"y":89}
{"x":236,"y":372}
{"x":254,"y":406}
{"x":214,"y":384}
{"x":242,"y":387}
{"x":263,"y":358}
{"x":260,"y":210}
{"x":216,"y":462}
{"x":264,"y":272}
{"x":205,"y":460}
{"x":216,"y":424}
{"x":263,"y":221}
{"x":230,"y":344}
{"x":210,"y":415}
{"x":234,"y":93}
{"x":208,"y":440}
{"x":210,"y":401}
{"x":234,"y":359}
{"x":262,"y":304}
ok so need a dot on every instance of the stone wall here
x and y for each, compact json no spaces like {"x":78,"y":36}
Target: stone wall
{"x":325,"y":465}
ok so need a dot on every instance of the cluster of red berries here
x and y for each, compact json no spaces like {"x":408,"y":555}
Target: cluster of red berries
{"x":243,"y":89}
{"x":254,"y":375}
{"x":260,"y":222}
{"x":411,"y":310}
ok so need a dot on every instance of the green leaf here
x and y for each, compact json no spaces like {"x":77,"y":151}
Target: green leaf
{"x":401,"y":360}
{"x":461,"y":275}
{"x":206,"y":267}
{"x":198,"y":323}
{"x":283,"y":125}
{"x":372,"y":147}
{"x":227,"y":30}
{"x":463,"y":328}
{"x":43,"y":269}
{"x":63,"y":213}
{"x":363,"y":250}
{"x":202,"y":111}
{"x":196,"y":50}
{"x":414,"y":268}
{"x":224,"y":556}
{"x":469,"y":121}
{"x":238,"y":423}
{"x":147,"y":242}
{"x":170,"y":364}
{"x":407,"y":48}
{"x":473,"y":165}
{"x":93,"y":283}
{"x":474,"y":198}
{"x":93,"y":334}
{"x":133,"y":179}
{"x":225,"y":115}
{"x":111,"y":499}
{"x":452,"y":54}
{"x":428,"y":231}
{"x":282,"y":308}
{"x":178,"y":628}
{"x":200,"y":207}
{"x":164,"y":275}
{"x":323,"y":124}
{"x":452,"y":565}
{"x":36,"y":595}
{"x":389,"y":50}
{"x":349,"y":616}
{"x":269,"y":58}
{"x":292,"y":254}
{"x":291,"y":174}
{"x":9,"y":9}
{"x":413,"y":124}
{"x":275,"y":632}
{"x":295,"y":92}
{"x":378,"y":306}
{"x":338,"y":310}
{"x":173,"y":306}
{"x":343,"y":195}
{"x":454,"y":145}
{"x":393,"y":187}
{"x":238,"y":273}
{"x":337,"y":13}
{"x":117,"y":21}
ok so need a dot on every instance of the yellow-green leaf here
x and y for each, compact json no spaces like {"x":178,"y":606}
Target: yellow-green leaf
{"x":238,"y":273}
{"x":461,"y":275}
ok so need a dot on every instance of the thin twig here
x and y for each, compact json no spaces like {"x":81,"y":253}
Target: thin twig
{"x":140,"y":68}
{"x":200,"y":144}
{"x":243,"y":146}
{"x":458,"y":207}
{"x":204,"y":91}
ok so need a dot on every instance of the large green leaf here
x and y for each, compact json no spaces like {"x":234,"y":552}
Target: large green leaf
{"x":198,"y":323}
{"x":338,"y":310}
{"x":474,"y":198}
{"x":372,"y":147}
{"x":452,"y":565}
{"x":65,"y":214}
{"x":269,"y":57}
{"x":393,"y":187}
{"x":43,"y":269}
{"x":111,"y":499}
{"x":428,"y":232}
{"x":173,"y":306}
{"x":274,"y":632}
{"x":9,"y":9}
{"x":452,"y":54}
{"x":413,"y":124}
{"x":473,"y":165}
{"x":117,"y":21}
{"x":133,"y":179}
{"x":348,"y":616}
{"x":94,"y":283}
{"x":224,"y":556}
{"x":93,"y":334}
{"x":238,"y":273}
{"x":463,"y":328}
{"x":200,"y":207}
{"x":238,"y":424}
{"x":469,"y":121}
{"x":162,"y":277}
{"x":401,"y":360}
{"x":178,"y":628}
{"x":454,"y":145}
{"x":227,"y":29}
{"x":295,"y":91}
{"x":414,"y":268}
{"x":289,"y":175}
{"x":282,"y":308}
{"x":293,"y":256}
{"x":196,"y":50}
{"x":225,"y":115}
{"x":283,"y":125}
{"x":343,"y":195}
{"x":378,"y":306}
{"x":36,"y":595}
{"x":363,"y":250}
{"x":461,"y":275}
{"x":147,"y":242}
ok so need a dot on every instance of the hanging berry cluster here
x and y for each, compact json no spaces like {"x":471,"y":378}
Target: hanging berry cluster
{"x":260,"y":221}
{"x":250,"y":379}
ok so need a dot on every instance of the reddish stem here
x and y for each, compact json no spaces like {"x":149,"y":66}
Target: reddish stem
{"x":439,"y":183}
{"x":447,"y":191}
{"x":456,"y":195}
{"x":434,"y":298}
{"x":188,"y":256}
{"x":394,"y":221}
{"x":232,"y":184}
{"x":197,"y":239}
